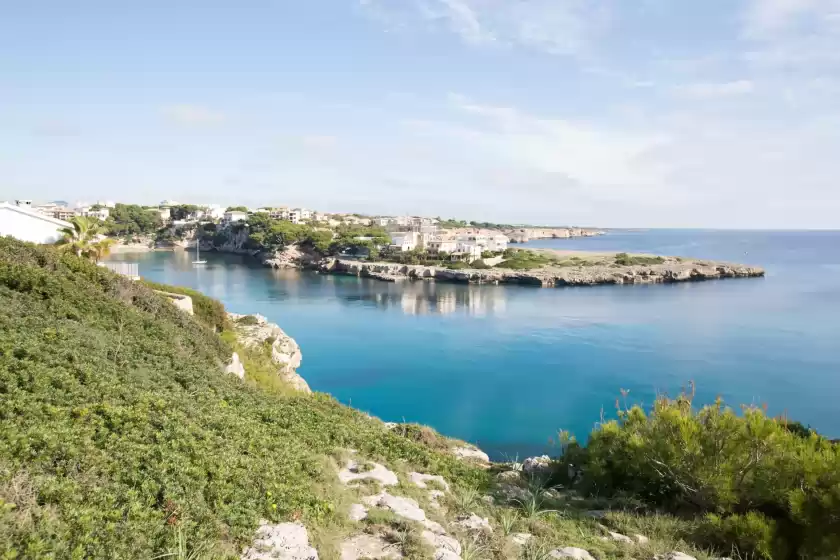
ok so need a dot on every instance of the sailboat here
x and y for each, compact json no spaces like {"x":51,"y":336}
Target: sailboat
{"x":198,"y":254}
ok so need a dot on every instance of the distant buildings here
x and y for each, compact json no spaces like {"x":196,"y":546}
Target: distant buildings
{"x":234,"y":216}
{"x":23,"y":222}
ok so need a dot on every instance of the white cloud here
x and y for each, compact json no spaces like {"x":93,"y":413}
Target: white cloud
{"x":716,"y":90}
{"x":193,"y":115}
{"x":564,"y":27}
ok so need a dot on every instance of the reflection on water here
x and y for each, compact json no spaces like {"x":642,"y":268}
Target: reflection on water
{"x":227,"y":277}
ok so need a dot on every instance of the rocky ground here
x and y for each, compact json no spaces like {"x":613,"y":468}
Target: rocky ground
{"x":590,"y":274}
{"x":400,"y":513}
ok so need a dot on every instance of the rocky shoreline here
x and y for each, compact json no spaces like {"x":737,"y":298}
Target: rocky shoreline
{"x":523,"y":235}
{"x":669,"y":272}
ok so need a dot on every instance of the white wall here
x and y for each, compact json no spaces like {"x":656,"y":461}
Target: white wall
{"x":27,"y":228}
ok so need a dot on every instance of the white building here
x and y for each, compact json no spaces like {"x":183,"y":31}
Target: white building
{"x":234,"y":216}
{"x":405,"y":241}
{"x":438,"y":245}
{"x":214,"y":212}
{"x":106,"y":203}
{"x":467,"y":251}
{"x":487,"y":241}
{"x":88,"y":212}
{"x":26,"y":224}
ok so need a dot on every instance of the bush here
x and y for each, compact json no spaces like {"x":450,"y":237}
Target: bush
{"x":716,"y":461}
{"x":627,"y":260}
{"x":207,"y":310}
{"x":248,"y":320}
{"x":751,"y":535}
{"x":120,"y":431}
{"x":479,"y":264}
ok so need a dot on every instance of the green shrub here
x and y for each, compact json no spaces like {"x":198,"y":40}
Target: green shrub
{"x":749,"y":536}
{"x":713,"y":460}
{"x":627,"y":260}
{"x":120,"y":432}
{"x":458,"y":265}
{"x":479,"y":264}
{"x":209,"y":311}
{"x":248,"y":320}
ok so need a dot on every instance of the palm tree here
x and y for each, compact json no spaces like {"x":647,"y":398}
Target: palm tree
{"x":100,"y":249}
{"x":80,"y":236}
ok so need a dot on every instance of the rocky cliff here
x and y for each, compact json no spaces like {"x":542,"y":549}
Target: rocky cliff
{"x":671,"y":271}
{"x":522,"y":235}
{"x":255,"y":331}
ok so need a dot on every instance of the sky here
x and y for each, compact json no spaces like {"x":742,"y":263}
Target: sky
{"x":612,"y":113}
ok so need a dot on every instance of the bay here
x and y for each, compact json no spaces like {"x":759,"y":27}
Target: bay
{"x":507,"y":367}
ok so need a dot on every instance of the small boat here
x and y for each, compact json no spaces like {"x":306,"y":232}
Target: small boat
{"x":198,"y":254}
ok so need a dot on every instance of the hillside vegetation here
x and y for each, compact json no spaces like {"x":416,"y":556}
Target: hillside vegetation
{"x":122,"y":438}
{"x":120,"y":433}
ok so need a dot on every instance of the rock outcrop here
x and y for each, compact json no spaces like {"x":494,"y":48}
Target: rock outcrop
{"x":673,"y":270}
{"x":522,"y":235}
{"x":285,"y":352}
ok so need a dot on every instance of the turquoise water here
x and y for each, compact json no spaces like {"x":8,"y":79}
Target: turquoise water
{"x":506,"y":367}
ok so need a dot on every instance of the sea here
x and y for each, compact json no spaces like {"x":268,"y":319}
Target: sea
{"x":508,"y":367}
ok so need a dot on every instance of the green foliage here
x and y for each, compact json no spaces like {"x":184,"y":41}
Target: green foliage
{"x":752,"y":535}
{"x":183,"y":211}
{"x":119,"y":426}
{"x":457,"y":265}
{"x":248,"y":320}
{"x":237,"y":209}
{"x":207,"y":310}
{"x":131,"y":219}
{"x":716,"y":461}
{"x":479,"y":264}
{"x":81,"y":238}
{"x":520,"y":259}
{"x":624,"y":259}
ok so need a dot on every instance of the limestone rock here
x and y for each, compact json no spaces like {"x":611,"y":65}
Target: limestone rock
{"x":284,"y":541}
{"x":434,"y":496}
{"x":641,"y":539}
{"x":285,"y":352}
{"x":474,"y":524}
{"x":521,"y":538}
{"x":471,"y":452}
{"x":379,"y":473}
{"x":357,"y":512}
{"x":420,"y":480}
{"x":401,"y":506}
{"x":513,"y":493}
{"x":509,"y":476}
{"x":438,"y":542}
{"x":571,"y":552}
{"x":235,"y":366}
{"x":618,"y":537}
{"x":540,"y":467}
{"x":674,"y":556}
{"x":446,"y":554}
{"x":368,"y":546}
{"x":434,"y":527}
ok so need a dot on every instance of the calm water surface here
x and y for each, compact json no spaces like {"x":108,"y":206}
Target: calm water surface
{"x":506,"y":367}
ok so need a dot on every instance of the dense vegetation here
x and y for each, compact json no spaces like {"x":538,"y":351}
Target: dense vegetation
{"x":748,"y":482}
{"x":520,"y":259}
{"x":207,"y":310}
{"x":627,"y":260}
{"x":127,"y":220}
{"x":120,"y":433}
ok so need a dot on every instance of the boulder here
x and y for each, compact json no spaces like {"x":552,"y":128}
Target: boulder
{"x":357,"y":512}
{"x":283,"y":541}
{"x":352,"y":472}
{"x":539,"y":467}
{"x":420,"y":480}
{"x":235,"y":366}
{"x":401,"y":506}
{"x":571,"y":552}
{"x":439,"y":542}
{"x":618,"y":537}
{"x":472,"y":523}
{"x":368,"y":546}
{"x":471,"y":452}
{"x":446,"y":554}
{"x":521,"y":538}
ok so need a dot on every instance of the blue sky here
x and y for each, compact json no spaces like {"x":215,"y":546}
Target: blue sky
{"x":650,"y":113}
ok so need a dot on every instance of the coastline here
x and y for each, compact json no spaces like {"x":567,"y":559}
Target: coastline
{"x":671,"y":271}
